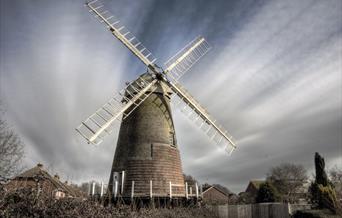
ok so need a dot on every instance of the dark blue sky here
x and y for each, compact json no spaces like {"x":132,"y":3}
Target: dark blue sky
{"x":273,"y":79}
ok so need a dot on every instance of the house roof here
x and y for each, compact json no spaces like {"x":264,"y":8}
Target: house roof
{"x":214,"y":187}
{"x":38,"y":172}
{"x":256,"y":183}
{"x":33,"y":173}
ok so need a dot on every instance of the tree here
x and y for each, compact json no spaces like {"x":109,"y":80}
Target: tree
{"x":205,"y":186}
{"x":335,"y":175}
{"x":321,"y":190}
{"x":321,"y":176}
{"x":85,"y":187}
{"x":327,"y":197}
{"x":288,"y":179}
{"x":11,"y":151}
{"x":267,"y":193}
{"x":189,"y":179}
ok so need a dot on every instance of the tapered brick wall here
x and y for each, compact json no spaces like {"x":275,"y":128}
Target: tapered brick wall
{"x":164,"y":167}
{"x":147,"y":148}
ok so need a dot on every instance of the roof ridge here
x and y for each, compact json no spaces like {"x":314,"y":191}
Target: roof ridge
{"x":218,"y":189}
{"x":34,"y":171}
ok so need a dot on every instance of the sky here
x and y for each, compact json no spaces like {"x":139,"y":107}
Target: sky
{"x":273,"y":79}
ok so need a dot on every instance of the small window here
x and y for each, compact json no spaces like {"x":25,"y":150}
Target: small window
{"x":59,"y":194}
{"x":172,"y":139}
{"x":151,"y":150}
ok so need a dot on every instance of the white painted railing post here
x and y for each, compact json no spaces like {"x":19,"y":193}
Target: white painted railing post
{"x":101,"y":189}
{"x":151,"y":193}
{"x":116,"y":189}
{"x":196,"y":190}
{"x":132,"y":190}
{"x":186,"y":190}
{"x":170,"y":190}
{"x":93,"y":189}
{"x":122,"y":181}
{"x":190,"y":191}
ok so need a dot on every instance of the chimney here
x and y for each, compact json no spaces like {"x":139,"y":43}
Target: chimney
{"x":56,"y":177}
{"x":40,"y":165}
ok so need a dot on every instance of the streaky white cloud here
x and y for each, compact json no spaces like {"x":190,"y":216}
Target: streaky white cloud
{"x":273,"y":79}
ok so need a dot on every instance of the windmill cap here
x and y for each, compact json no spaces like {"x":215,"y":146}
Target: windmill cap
{"x":161,"y":88}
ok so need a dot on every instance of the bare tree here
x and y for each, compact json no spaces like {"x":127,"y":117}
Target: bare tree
{"x":189,"y":179}
{"x":335,"y":175}
{"x":11,"y":151}
{"x":289,"y":180}
{"x":85,"y":187}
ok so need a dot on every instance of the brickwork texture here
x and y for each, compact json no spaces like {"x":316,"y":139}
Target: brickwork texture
{"x":147,"y":149}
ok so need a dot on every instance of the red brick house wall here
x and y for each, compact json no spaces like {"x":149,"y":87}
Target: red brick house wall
{"x":215,"y":196}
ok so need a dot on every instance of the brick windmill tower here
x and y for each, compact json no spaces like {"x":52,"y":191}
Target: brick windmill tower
{"x":147,"y":162}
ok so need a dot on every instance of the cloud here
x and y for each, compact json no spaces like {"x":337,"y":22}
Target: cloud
{"x":273,"y":79}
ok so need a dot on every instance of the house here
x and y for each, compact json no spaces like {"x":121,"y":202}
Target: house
{"x":214,"y":195}
{"x":248,"y":196}
{"x":43,"y":183}
{"x":253,"y":187}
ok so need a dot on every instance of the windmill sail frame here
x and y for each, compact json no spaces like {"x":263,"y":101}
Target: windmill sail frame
{"x":214,"y":131}
{"x":99,"y":123}
{"x":183,"y":60}
{"x":121,"y":33}
{"x":96,"y":126}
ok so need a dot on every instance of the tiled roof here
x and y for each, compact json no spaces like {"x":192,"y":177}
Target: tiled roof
{"x":257,"y":183}
{"x":38,"y":172}
{"x":32,"y":173}
{"x":218,"y":189}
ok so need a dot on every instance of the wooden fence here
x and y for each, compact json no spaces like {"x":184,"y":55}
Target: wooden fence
{"x":263,"y":210}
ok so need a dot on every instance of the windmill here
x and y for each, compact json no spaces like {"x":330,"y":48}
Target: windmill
{"x":147,"y":160}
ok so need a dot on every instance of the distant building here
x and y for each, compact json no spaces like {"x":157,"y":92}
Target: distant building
{"x":41,"y":181}
{"x":253,"y":187}
{"x":248,"y":196}
{"x":214,"y":195}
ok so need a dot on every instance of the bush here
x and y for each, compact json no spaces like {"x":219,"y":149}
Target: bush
{"x":314,"y":194}
{"x":327,"y":197}
{"x":315,"y":214}
{"x":25,"y":203}
{"x":267,"y":193}
{"x":322,"y":192}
